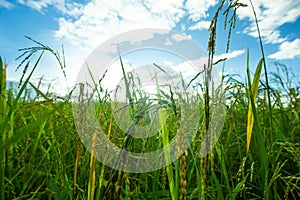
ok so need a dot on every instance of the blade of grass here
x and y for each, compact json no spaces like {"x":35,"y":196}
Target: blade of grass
{"x":268,"y":88}
{"x":253,"y":95}
{"x":22,"y":89}
{"x":2,"y":131}
{"x":198,"y":175}
{"x":102,"y":180}
{"x":265,"y":67}
{"x":260,"y":138}
{"x":223,"y":166}
{"x":92,"y":172}
{"x":165,"y":141}
{"x":237,"y":189}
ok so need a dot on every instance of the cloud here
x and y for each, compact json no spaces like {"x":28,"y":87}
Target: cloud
{"x":180,"y":37}
{"x":190,"y":68}
{"x":101,"y":20}
{"x":198,"y":9}
{"x":287,"y":50}
{"x":64,"y":6}
{"x":6,"y":4}
{"x":230,"y":55}
{"x":271,"y":15}
{"x":202,"y":25}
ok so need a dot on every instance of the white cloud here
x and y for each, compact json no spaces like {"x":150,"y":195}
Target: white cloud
{"x":202,"y":25}
{"x":271,"y":15}
{"x":168,"y":63}
{"x":190,"y":68}
{"x":199,"y":9}
{"x":6,"y":4}
{"x":229,"y":55}
{"x":180,"y":37}
{"x":169,"y":9}
{"x":101,"y":20}
{"x":287,"y":50}
{"x":168,"y":42}
{"x":36,"y":5}
{"x":66,"y":7}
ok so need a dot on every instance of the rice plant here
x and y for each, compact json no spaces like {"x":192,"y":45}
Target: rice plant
{"x":256,"y":156}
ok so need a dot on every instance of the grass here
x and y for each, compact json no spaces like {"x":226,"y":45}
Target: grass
{"x":256,"y":156}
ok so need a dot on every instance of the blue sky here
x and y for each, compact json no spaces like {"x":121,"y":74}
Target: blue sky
{"x":82,"y":25}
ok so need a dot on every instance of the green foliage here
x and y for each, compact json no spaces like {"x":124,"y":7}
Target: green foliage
{"x":43,"y":148}
{"x":41,"y":155}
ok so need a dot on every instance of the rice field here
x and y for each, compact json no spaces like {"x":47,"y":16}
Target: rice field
{"x":256,"y":157}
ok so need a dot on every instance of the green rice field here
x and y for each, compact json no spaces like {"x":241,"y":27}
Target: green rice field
{"x":256,"y":157}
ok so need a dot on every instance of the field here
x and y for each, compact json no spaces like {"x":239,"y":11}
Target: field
{"x":256,"y":157}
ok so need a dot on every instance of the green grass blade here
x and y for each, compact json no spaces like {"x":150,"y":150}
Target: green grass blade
{"x":237,"y":190}
{"x":265,"y":67}
{"x":165,"y":141}
{"x":260,"y":139}
{"x":22,"y":89}
{"x":2,"y":126}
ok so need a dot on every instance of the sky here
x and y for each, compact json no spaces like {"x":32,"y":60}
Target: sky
{"x":82,"y":25}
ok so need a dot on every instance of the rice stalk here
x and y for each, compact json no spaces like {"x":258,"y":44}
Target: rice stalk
{"x":101,"y":176}
{"x":127,"y":186}
{"x":183,"y":180}
{"x":265,"y":66}
{"x":3,"y":138}
{"x":92,"y":170}
{"x":29,"y":52}
{"x":77,"y":160}
{"x":260,"y":139}
{"x":165,"y":141}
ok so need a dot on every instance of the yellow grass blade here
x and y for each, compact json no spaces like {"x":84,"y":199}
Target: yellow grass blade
{"x":252,"y":97}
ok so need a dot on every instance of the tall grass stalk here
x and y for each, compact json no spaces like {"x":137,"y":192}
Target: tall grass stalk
{"x":266,"y":193}
{"x":265,"y":67}
{"x":2,"y":133}
{"x":92,"y":171}
{"x":167,"y":153}
{"x":253,"y":118}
